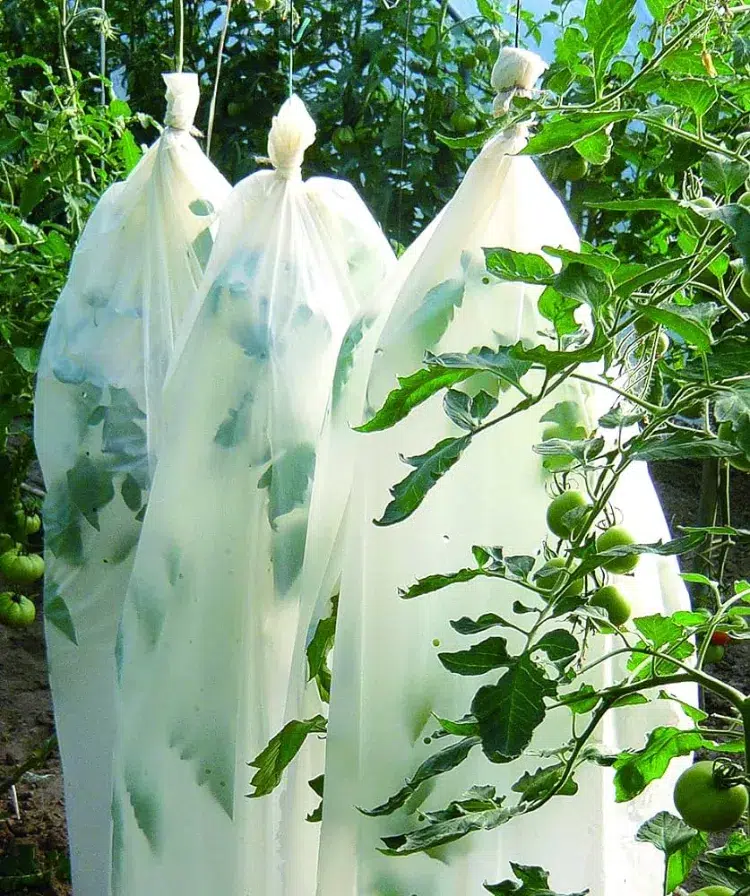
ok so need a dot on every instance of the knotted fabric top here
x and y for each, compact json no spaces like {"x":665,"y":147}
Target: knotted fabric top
{"x":183,"y":95}
{"x":292,"y":131}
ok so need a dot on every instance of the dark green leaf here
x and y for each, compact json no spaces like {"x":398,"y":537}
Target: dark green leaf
{"x":466,"y":626}
{"x":500,"y":362}
{"x":608,"y":24}
{"x":681,"y":845}
{"x":559,"y":133}
{"x":559,"y":645}
{"x":560,"y":310}
{"x":509,"y":712}
{"x":411,"y":392}
{"x":438,"y":581}
{"x":682,"y":445}
{"x":538,"y":785}
{"x":428,"y":469}
{"x":518,"y":267}
{"x":723,"y":175}
{"x":635,"y":771}
{"x":492,"y":653}
{"x":280,"y":751}
{"x":438,"y":764}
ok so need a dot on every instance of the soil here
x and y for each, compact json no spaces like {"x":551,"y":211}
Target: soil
{"x":33,"y":847}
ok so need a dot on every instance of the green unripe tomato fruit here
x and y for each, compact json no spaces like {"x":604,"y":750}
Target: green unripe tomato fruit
{"x":562,"y":504}
{"x":643,"y":325}
{"x":462,"y":122}
{"x":6,"y":543}
{"x":550,"y":581}
{"x":482,"y":53}
{"x":22,"y":569}
{"x":343,"y":136}
{"x":575,"y":169}
{"x":234,"y":109}
{"x":264,"y":5}
{"x":614,"y":603}
{"x":33,"y":524}
{"x":616,"y":537}
{"x":16,"y":611}
{"x":714,"y":654}
{"x":713,"y":891}
{"x":738,"y":461}
{"x":703,"y":804}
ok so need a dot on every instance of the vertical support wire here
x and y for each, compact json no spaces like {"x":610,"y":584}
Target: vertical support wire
{"x":405,"y":64}
{"x":291,"y":48}
{"x":214,"y":95}
{"x":103,"y":53}
{"x":179,"y":34}
{"x":517,"y":39}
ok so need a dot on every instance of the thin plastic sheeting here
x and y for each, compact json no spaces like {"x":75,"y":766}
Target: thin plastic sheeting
{"x":387,"y":680}
{"x":97,"y":419}
{"x":211,"y":611}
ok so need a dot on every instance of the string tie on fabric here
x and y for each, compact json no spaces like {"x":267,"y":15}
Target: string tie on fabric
{"x":183,"y":96}
{"x":292,"y":131}
{"x":515,"y":73}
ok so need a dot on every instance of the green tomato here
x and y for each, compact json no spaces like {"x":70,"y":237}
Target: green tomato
{"x":264,"y":5}
{"x":704,"y":804}
{"x":714,"y":654}
{"x":550,"y":581}
{"x":462,"y":122}
{"x":16,"y":611}
{"x":738,"y":461}
{"x":6,"y":542}
{"x":22,"y":569}
{"x":615,"y":537}
{"x":482,"y":53}
{"x":643,"y":325}
{"x":343,"y":136}
{"x":575,"y":169}
{"x":713,"y":891}
{"x":234,"y":109}
{"x":614,"y":603}
{"x":33,"y":524}
{"x":562,"y":504}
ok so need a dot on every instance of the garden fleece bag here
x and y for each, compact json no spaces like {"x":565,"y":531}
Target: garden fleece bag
{"x":97,"y":421}
{"x":211,"y":612}
{"x":387,"y":680}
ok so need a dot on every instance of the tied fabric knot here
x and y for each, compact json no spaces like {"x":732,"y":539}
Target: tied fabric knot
{"x":515,"y":73}
{"x":292,"y":131}
{"x":183,"y":96}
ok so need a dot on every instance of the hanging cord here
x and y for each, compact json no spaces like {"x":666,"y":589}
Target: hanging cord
{"x":103,"y":53}
{"x":214,"y":95}
{"x":291,"y":47}
{"x":405,"y":63}
{"x":179,"y":34}
{"x":518,"y":24}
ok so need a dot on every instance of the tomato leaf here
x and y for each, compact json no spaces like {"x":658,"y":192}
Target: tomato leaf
{"x":536,"y":785}
{"x":443,"y":761}
{"x":466,"y":626}
{"x":56,"y":612}
{"x":534,"y":882}
{"x":635,"y":771}
{"x":280,"y":751}
{"x":509,"y":712}
{"x":518,"y":267}
{"x":428,"y":469}
{"x":680,"y":844}
{"x":492,"y":653}
{"x":435,"y":582}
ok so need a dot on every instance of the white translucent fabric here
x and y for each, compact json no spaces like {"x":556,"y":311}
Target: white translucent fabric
{"x":97,"y":418}
{"x":387,"y":679}
{"x":211,"y":612}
